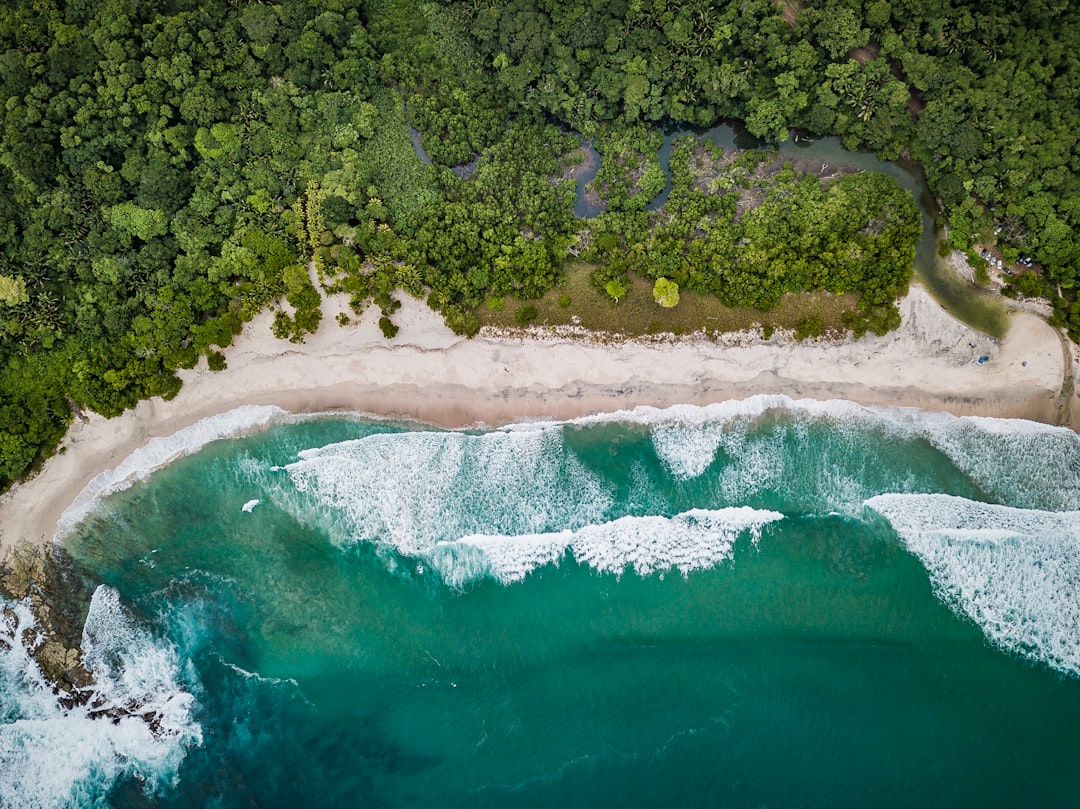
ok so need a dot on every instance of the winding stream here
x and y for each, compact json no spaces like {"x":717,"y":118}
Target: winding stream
{"x":968,"y":302}
{"x":975,"y":306}
{"x":464,"y":171}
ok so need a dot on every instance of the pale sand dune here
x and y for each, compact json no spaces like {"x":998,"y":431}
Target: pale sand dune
{"x":428,"y":373}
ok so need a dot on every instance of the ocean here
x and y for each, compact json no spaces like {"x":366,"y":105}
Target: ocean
{"x":757,"y":603}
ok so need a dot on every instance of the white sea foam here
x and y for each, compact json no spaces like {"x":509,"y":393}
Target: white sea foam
{"x":689,"y":541}
{"x":761,"y":457}
{"x":687,"y":450}
{"x":721,"y":412}
{"x":412,"y":490}
{"x":837,"y":410}
{"x":687,"y":438}
{"x":1023,"y":463}
{"x":56,"y":757}
{"x":1014,"y":572}
{"x":254,"y":675}
{"x":159,"y":452}
{"x":249,"y":505}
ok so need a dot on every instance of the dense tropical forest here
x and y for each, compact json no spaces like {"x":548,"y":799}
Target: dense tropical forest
{"x":169,"y":169}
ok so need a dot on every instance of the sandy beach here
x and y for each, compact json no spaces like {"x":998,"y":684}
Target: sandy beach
{"x":428,"y":373}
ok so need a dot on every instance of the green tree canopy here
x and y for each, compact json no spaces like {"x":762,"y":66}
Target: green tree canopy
{"x":666,"y":293}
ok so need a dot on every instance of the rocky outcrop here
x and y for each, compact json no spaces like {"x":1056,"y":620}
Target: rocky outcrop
{"x":45,"y":579}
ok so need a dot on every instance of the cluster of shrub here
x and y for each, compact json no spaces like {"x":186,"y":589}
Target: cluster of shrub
{"x":169,"y":169}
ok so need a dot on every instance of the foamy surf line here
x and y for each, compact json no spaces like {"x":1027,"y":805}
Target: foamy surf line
{"x":687,"y":437}
{"x":760,"y":404}
{"x":686,"y":455}
{"x":692,"y":540}
{"x":1044,"y":460}
{"x":138,"y":723}
{"x":1014,"y":572}
{"x":159,"y":452}
{"x":412,"y":489}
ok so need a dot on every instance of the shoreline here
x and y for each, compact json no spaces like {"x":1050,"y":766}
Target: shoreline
{"x":430,"y":375}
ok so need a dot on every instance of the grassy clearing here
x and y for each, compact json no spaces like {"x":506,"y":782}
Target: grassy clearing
{"x":636,"y":314}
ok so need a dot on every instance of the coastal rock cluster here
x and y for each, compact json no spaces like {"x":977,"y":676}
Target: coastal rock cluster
{"x":58,"y":598}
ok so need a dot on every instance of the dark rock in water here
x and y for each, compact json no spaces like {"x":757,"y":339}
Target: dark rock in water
{"x":45,"y":578}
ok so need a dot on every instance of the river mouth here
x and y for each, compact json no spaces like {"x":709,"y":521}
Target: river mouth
{"x":977,"y":307}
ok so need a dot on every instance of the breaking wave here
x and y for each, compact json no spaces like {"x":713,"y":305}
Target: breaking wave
{"x":413,"y":490}
{"x":1014,"y":572}
{"x":159,"y":452}
{"x":503,"y":502}
{"x":137,"y":723}
{"x":689,"y":541}
{"x":1023,"y":463}
{"x":749,"y":446}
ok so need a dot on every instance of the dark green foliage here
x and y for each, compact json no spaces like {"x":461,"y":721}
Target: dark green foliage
{"x":877,"y":319}
{"x":388,"y":180}
{"x":504,"y":231}
{"x":304,"y":299}
{"x":215,"y":360}
{"x":630,"y":174}
{"x":809,"y":327}
{"x":462,"y":321}
{"x":983,"y":95}
{"x":526,"y":315}
{"x":452,"y":97}
{"x":170,"y":169}
{"x":388,"y":328}
{"x":34,"y":413}
{"x":770,"y":231}
{"x":149,"y":162}
{"x":1028,"y":284}
{"x":883,"y":319}
{"x":979,"y":265}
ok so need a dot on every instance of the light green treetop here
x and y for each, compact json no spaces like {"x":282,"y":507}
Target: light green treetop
{"x":666,"y":293}
{"x":12,"y":291}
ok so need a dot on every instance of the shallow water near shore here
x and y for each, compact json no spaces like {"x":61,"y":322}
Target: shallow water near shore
{"x":757,"y":603}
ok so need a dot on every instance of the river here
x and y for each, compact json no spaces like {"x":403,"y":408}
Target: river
{"x":975,"y":306}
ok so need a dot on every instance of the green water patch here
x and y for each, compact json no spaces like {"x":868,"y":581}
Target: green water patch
{"x":803,"y":655}
{"x":797,"y":671}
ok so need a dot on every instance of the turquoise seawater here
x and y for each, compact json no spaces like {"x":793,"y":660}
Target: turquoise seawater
{"x":760,"y":603}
